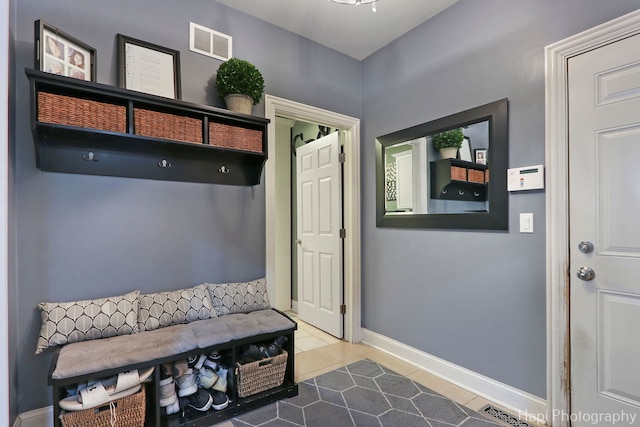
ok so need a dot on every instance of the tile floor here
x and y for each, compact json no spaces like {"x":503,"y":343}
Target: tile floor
{"x":318,"y":352}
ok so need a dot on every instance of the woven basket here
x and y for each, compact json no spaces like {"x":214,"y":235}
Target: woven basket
{"x":476,"y":176}
{"x":129,"y":412}
{"x":261,"y":375}
{"x":235,"y":138}
{"x":458,"y":174}
{"x":80,"y":112}
{"x":167,"y":126}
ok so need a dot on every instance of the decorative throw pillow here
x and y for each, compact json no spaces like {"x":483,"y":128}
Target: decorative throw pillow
{"x":174,"y":307}
{"x":67,"y":322}
{"x":228,"y":298}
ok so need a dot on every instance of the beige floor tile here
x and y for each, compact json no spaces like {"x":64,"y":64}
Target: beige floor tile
{"x":390,"y":362}
{"x":310,"y":342}
{"x":300,"y":334}
{"x":226,"y":423}
{"x":453,"y":392}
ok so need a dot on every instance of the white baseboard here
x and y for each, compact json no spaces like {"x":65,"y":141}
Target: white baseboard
{"x":501,"y":394}
{"x":41,"y":417}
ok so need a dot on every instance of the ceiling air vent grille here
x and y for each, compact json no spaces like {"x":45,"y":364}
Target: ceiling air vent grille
{"x":208,"y":42}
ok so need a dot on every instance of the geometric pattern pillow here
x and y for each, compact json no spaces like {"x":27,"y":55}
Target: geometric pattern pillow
{"x":67,"y":322}
{"x":228,"y":298}
{"x":174,"y":307}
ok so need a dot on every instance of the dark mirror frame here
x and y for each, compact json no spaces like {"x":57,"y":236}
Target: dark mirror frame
{"x":498,"y":156}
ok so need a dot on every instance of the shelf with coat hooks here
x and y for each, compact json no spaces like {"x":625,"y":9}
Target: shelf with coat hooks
{"x":453,"y":179}
{"x":94,"y":129}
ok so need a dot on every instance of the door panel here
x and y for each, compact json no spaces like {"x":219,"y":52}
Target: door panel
{"x":320,"y":288}
{"x":604,"y":207}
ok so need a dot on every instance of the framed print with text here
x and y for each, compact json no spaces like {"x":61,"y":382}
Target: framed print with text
{"x":148,"y":68}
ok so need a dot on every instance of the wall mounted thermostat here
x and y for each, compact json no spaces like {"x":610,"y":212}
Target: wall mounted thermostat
{"x":527,"y":178}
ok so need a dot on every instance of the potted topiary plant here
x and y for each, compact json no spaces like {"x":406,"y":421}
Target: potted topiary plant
{"x":448,"y":142}
{"x":239,"y":82}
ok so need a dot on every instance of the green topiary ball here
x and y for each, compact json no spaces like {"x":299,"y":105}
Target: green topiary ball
{"x":237,"y":76}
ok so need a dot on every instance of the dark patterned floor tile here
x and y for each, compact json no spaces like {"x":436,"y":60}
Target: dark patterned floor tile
{"x":395,"y":418}
{"x":402,"y":404}
{"x":332,"y":396}
{"x":365,"y":400}
{"x":260,"y":415}
{"x":335,"y":380}
{"x":364,"y":420}
{"x":366,"y":368}
{"x":399,"y":386}
{"x":322,"y":414}
{"x":290,"y":413}
{"x":307,"y":394}
{"x":439,"y":408}
{"x":365,"y":382}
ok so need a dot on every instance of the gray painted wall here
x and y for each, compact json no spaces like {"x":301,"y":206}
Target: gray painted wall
{"x":83,"y":237}
{"x":476,"y":299}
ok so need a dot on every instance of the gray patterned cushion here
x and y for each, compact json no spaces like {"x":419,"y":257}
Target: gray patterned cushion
{"x":245,"y":297}
{"x":174,"y":307}
{"x":66,"y":322}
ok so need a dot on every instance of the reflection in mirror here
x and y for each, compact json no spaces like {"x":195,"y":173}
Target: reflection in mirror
{"x":437,"y":174}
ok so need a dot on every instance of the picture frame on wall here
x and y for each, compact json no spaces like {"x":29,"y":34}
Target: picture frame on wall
{"x":149,"y":68}
{"x":57,"y":52}
{"x":480,"y":156}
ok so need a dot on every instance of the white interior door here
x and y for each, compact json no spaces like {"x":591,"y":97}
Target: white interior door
{"x":604,"y":200}
{"x":319,"y":213}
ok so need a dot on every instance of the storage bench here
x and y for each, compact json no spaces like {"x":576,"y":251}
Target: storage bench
{"x":229,"y":331}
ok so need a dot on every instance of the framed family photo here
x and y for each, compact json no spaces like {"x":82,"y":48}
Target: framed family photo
{"x":481,"y":156}
{"x":148,"y":68}
{"x":57,"y":52}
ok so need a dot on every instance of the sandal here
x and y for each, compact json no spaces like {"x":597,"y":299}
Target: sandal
{"x":105,"y":391}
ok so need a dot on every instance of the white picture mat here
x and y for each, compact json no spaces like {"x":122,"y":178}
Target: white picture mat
{"x":149,"y":71}
{"x":465,"y":150}
{"x":59,"y":57}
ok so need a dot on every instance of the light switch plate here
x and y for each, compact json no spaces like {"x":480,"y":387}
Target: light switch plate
{"x":526,"y":223}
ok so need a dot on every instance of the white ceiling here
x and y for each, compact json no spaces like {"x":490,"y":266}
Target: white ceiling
{"x":356,"y":31}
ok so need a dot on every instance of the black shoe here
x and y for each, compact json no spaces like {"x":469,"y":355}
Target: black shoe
{"x":220,"y":400}
{"x":200,"y":401}
{"x":275,"y":348}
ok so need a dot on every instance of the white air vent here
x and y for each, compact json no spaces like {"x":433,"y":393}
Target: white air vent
{"x":208,"y":42}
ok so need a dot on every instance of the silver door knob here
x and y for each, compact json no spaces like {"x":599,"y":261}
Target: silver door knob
{"x":586,"y":274}
{"x":299,"y":241}
{"x":585,"y":247}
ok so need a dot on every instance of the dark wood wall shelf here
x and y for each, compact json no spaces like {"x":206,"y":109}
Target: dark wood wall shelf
{"x":95,"y":129}
{"x":453,"y":179}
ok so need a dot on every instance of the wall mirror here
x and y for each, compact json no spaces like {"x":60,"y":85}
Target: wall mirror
{"x":417,"y":188}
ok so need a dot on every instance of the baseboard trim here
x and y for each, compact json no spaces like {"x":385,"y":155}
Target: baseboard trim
{"x":511,"y":398}
{"x":41,"y":417}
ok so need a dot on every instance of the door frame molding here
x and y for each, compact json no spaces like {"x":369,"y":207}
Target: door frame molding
{"x":279,"y":107}
{"x":557,"y":202}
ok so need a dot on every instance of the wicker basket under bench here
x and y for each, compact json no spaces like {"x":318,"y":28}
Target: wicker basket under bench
{"x":247,"y":393}
{"x":90,"y":128}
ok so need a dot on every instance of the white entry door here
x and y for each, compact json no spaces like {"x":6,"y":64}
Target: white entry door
{"x":319,"y":213}
{"x":604,"y":176}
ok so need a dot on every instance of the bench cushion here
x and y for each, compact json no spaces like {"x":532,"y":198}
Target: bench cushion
{"x":89,"y":357}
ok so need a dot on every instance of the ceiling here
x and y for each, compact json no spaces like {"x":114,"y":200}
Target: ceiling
{"x":356,"y":31}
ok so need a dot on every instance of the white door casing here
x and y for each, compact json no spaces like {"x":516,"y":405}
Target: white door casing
{"x":279,"y":107}
{"x":604,"y":204}
{"x":557,"y":206}
{"x":319,"y":245}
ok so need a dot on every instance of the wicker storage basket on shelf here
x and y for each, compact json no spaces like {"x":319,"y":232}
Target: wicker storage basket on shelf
{"x":476,"y":176}
{"x":458,"y":174}
{"x":80,"y":112}
{"x":127,"y":412}
{"x":261,"y":375}
{"x":235,"y":138}
{"x":173,"y":127}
